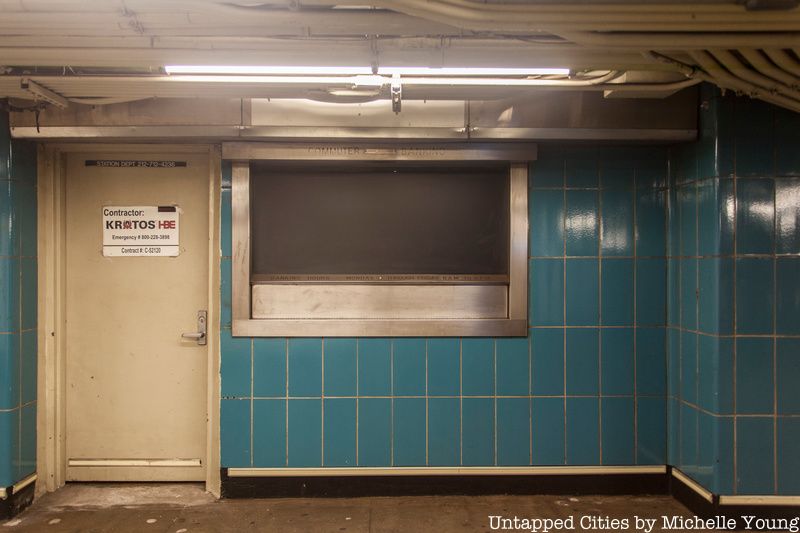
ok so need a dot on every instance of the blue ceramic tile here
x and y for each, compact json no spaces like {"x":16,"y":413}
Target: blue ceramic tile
{"x":547,"y":223}
{"x":616,"y":230}
{"x":651,"y":361}
{"x":688,"y":440}
{"x":787,"y":273}
{"x":477,"y":437}
{"x":409,"y":367}
{"x":689,"y":366}
{"x":725,"y":370}
{"x":29,"y":288}
{"x":444,"y":432}
{"x":651,"y":218}
{"x":547,"y":171}
{"x":269,"y":433}
{"x":546,"y":292}
{"x":513,"y":431}
{"x":788,"y":376}
{"x":716,"y":217}
{"x":754,"y":376}
{"x":715,"y":297}
{"x":23,"y":161}
{"x":652,"y":168}
{"x":688,"y":291}
{"x":616,"y":308}
{"x":9,"y":233}
{"x":374,"y":367}
{"x":617,"y":431}
{"x":582,"y":292}
{"x":227,"y":174}
{"x":374,"y":432}
{"x":234,"y":433}
{"x":547,"y":419}
{"x":651,"y":288}
{"x":687,"y":213}
{"x":512,"y":367}
{"x":755,"y":466}
{"x":724,"y":483}
{"x":788,"y":458}
{"x":304,"y":431}
{"x":444,"y":367}
{"x":340,"y":432}
{"x":617,"y":172}
{"x":706,"y":449}
{"x":305,"y":367}
{"x":754,"y":138}
{"x":226,"y":227}
{"x":582,"y":361}
{"x":651,"y":431}
{"x":547,"y":356}
{"x":755,"y":216}
{"x":28,"y":356}
{"x":787,"y":216}
{"x":225,"y":293}
{"x":583,"y":431}
{"x":582,"y":232}
{"x":617,"y":361}
{"x":673,"y":293}
{"x":787,"y":138}
{"x":409,"y":432}
{"x":9,"y":294}
{"x":673,"y":432}
{"x":673,"y":362}
{"x":477,"y":373}
{"x":9,"y":370}
{"x":582,"y":168}
{"x":235,"y":365}
{"x":27,"y":451}
{"x":9,"y":447}
{"x":754,"y":296}
{"x":340,"y":367}
{"x":269,"y":367}
{"x":673,"y":224}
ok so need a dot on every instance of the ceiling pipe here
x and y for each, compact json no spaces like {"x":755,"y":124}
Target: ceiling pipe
{"x":723,"y":78}
{"x":682,"y":41}
{"x":763,"y":65}
{"x":783,"y":60}
{"x":742,"y":71}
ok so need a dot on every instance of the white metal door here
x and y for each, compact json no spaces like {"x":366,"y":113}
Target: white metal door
{"x":135,"y":394}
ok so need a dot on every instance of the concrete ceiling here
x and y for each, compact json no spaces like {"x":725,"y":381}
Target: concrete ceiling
{"x":104,"y":51}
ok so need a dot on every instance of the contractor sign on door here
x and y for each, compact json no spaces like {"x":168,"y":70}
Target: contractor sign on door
{"x":143,"y":230}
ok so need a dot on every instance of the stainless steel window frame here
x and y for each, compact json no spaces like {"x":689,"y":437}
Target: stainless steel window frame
{"x":514,"y":324}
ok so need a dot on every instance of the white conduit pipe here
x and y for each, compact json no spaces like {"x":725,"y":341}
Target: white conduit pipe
{"x":740,"y":70}
{"x":762,"y":64}
{"x":683,"y":41}
{"x":783,"y":60}
{"x":721,"y":77}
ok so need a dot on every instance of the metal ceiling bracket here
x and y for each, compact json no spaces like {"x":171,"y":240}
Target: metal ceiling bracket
{"x":397,"y":94}
{"x":43,"y":93}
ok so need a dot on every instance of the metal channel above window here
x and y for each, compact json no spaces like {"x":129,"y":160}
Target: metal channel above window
{"x":379,"y":239}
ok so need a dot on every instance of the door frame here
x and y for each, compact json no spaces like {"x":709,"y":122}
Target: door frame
{"x":51,"y":462}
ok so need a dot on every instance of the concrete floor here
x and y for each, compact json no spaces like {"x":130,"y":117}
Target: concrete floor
{"x":185,"y":508}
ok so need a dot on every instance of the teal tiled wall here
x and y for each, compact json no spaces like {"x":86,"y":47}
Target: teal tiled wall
{"x":734,"y":299}
{"x":585,"y":387}
{"x":17,"y":307}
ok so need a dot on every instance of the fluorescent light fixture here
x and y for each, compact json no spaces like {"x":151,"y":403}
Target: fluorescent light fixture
{"x":471,"y":71}
{"x":354,"y":71}
{"x":266,"y":70}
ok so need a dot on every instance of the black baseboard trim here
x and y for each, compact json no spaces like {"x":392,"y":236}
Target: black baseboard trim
{"x":703,"y":508}
{"x":16,"y":502}
{"x":462,"y":485}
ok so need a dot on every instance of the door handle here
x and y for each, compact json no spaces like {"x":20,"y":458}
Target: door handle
{"x":200,"y":334}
